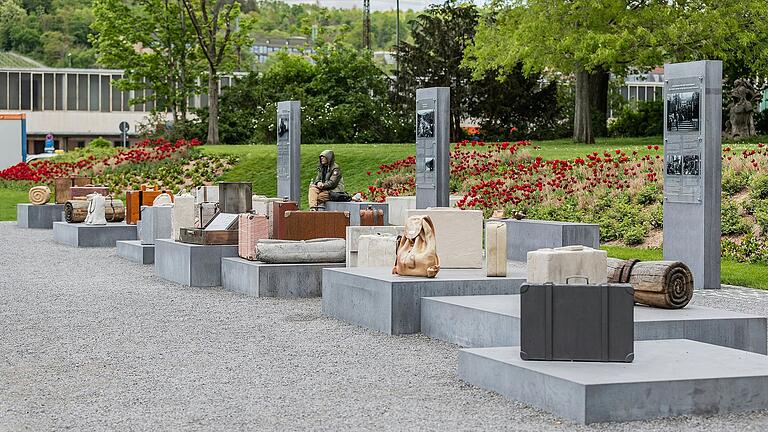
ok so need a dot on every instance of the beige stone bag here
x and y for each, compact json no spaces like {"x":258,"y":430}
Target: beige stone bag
{"x":417,"y":250}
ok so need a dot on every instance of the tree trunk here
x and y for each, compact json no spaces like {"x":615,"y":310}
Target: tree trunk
{"x":582,"y":118}
{"x":598,"y":89}
{"x":662,"y":284}
{"x":213,"y":107}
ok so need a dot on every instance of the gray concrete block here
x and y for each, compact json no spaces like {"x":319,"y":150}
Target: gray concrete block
{"x":667,"y":378}
{"x":189,"y":264}
{"x":354,"y":208}
{"x":134,"y":251}
{"x":488,"y":321}
{"x":155,"y":224}
{"x":82,"y":235}
{"x":528,"y":235}
{"x":374,"y":298}
{"x":260,"y":279}
{"x":38,"y":216}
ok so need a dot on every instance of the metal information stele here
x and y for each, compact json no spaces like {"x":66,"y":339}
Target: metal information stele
{"x":433,"y":113}
{"x":692,"y":168}
{"x":289,"y":150}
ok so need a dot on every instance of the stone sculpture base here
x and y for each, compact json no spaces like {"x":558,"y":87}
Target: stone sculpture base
{"x":190,"y":264}
{"x":38,"y":216}
{"x":494,"y":321}
{"x":667,"y":378}
{"x":374,"y":298}
{"x":260,"y":279}
{"x":354,"y":208}
{"x":82,"y":235}
{"x":134,"y":251}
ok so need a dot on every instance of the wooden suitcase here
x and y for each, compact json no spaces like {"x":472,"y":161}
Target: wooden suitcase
{"x":252,"y":228}
{"x":221,"y":230}
{"x":496,"y":249}
{"x":371,"y":217}
{"x":82,"y":192}
{"x":64,"y":184}
{"x":308,"y":225}
{"x":137,"y":198}
{"x":276,"y":213}
{"x":577,"y":322}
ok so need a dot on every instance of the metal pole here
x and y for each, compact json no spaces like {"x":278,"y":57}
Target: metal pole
{"x":397,"y":38}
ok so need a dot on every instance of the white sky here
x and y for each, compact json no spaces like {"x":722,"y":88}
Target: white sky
{"x":375,"y":4}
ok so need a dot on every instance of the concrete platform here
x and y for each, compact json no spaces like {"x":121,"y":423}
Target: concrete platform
{"x":668,"y":378}
{"x":494,"y":321}
{"x":82,"y":235}
{"x":38,"y":216}
{"x":134,"y":251}
{"x":190,"y":265}
{"x":260,"y":279}
{"x":354,"y":208}
{"x":374,"y":298}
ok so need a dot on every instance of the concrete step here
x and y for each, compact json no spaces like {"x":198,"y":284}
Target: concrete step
{"x":494,"y":320}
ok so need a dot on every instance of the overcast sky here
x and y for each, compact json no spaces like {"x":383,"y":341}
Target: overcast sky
{"x":375,"y":4}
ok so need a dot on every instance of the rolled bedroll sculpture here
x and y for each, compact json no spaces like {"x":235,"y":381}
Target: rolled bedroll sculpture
{"x":75,"y":211}
{"x":323,"y":250}
{"x":661,"y":284}
{"x":39,"y":195}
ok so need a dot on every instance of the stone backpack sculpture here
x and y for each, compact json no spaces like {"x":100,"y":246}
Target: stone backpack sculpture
{"x":96,"y":210}
{"x":417,"y":250}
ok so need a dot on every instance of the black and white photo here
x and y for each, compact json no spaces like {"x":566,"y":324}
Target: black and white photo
{"x":683,"y":112}
{"x":425,"y":123}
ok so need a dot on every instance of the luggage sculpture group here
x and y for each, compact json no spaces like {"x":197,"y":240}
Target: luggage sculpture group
{"x":76,"y":211}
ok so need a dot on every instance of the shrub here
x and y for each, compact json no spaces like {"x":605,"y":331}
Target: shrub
{"x":735,"y":181}
{"x":761,"y":215}
{"x":644,"y":120}
{"x":649,"y":194}
{"x":759,"y":186}
{"x":731,"y":221}
{"x":750,"y":249}
{"x":634,"y":235}
{"x":100,"y":143}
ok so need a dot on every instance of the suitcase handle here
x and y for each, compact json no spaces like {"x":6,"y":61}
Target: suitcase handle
{"x":568,"y":279}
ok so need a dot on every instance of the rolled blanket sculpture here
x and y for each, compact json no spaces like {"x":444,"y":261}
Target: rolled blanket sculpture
{"x":76,"y":211}
{"x":325,"y":250}
{"x":39,"y":195}
{"x":662,"y":284}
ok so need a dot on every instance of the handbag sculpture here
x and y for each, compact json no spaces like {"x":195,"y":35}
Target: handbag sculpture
{"x":417,"y":249}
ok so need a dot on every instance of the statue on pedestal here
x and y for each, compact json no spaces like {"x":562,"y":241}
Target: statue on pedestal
{"x":745,"y":99}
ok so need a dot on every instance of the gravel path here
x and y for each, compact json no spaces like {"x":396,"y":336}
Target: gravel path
{"x":90,"y":341}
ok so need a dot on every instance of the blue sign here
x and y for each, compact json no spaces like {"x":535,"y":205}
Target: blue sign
{"x":49,"y":147}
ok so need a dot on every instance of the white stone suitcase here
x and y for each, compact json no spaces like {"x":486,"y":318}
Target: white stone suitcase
{"x":496,"y":249}
{"x":376,"y":250}
{"x":155,"y":223}
{"x":262,"y":205}
{"x":575,"y":264}
{"x":459,"y":235}
{"x":355,"y":232}
{"x":252,"y":228}
{"x":206,"y":194}
{"x":183,"y":214}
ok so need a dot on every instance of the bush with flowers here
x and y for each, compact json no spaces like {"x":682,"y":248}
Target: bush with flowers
{"x":619,"y":190}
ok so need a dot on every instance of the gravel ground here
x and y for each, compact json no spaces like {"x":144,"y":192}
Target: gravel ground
{"x":91,"y":341}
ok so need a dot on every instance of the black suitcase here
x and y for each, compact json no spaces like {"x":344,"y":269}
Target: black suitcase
{"x":577,"y":322}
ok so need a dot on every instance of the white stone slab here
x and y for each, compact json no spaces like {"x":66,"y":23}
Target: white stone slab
{"x":399,"y":206}
{"x":459,"y":236}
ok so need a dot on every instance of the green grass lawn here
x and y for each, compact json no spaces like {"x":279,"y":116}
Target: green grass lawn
{"x":731,"y":272}
{"x":8,"y":200}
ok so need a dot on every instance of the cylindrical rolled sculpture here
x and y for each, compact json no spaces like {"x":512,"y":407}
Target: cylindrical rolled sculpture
{"x":325,"y":250}
{"x":662,"y":284}
{"x":76,"y":211}
{"x":39,"y":195}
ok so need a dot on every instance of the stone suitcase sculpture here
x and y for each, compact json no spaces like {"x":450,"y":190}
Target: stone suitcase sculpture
{"x":577,"y":322}
{"x":376,"y":250}
{"x":75,"y":211}
{"x":39,"y":195}
{"x":417,"y":250}
{"x":82,"y":192}
{"x":96,"y":210}
{"x":307,"y":225}
{"x":662,"y":284}
{"x":204,"y":212}
{"x":64,"y":184}
{"x":459,"y":235}
{"x":156,"y":223}
{"x":235,"y":197}
{"x":559,"y":264}
{"x":371,"y":217}
{"x":496,"y":249}
{"x":323,"y":250}
{"x":206,"y":194}
{"x":183,"y":214}
{"x":276,"y":215}
{"x":221,"y":230}
{"x":252,"y":228}
{"x":262,"y":205}
{"x":134,"y":199}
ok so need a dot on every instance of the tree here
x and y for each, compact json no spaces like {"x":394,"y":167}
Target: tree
{"x":217,"y":29}
{"x":591,"y":38}
{"x":150,"y":41}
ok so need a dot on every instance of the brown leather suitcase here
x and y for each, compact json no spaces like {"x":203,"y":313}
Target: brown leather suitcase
{"x":81,"y":192}
{"x":137,"y":198}
{"x":371,"y":217}
{"x":277,"y":210}
{"x":64,"y":184}
{"x":308,"y":225}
